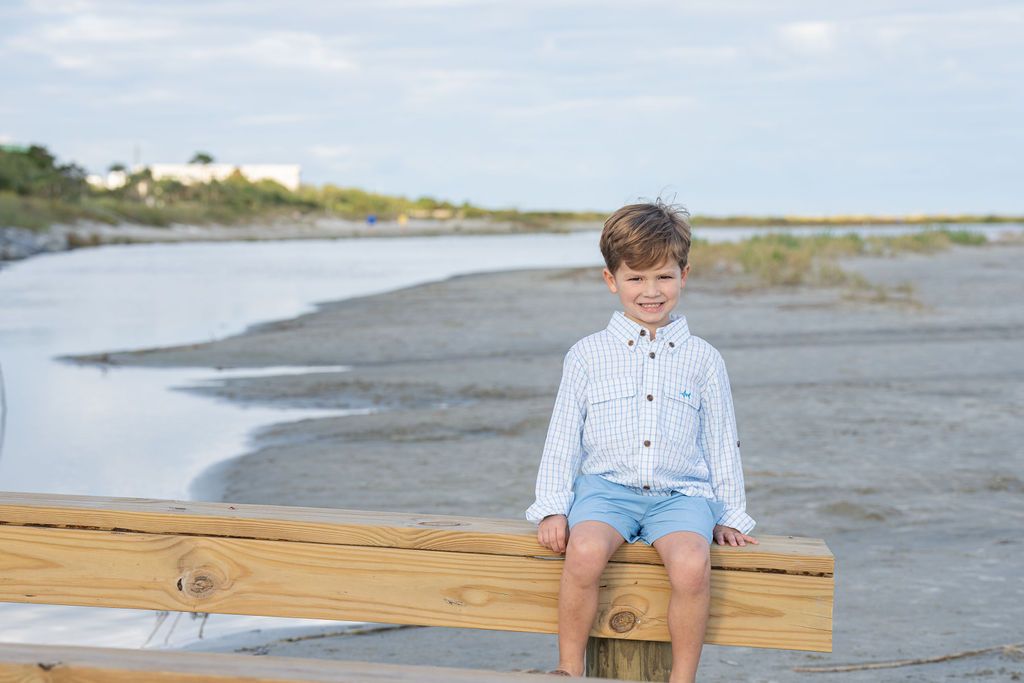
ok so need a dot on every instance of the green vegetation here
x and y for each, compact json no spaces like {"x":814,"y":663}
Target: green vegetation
{"x":787,"y":260}
{"x":34,"y":172}
{"x":36,"y":192}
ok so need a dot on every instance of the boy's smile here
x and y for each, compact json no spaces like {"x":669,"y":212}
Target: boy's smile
{"x":648,"y":296}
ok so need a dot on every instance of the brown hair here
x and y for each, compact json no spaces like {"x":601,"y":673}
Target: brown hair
{"x":646,"y":235}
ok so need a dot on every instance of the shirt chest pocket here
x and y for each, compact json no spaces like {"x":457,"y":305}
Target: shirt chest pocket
{"x":680,"y":416}
{"x":611,"y":405}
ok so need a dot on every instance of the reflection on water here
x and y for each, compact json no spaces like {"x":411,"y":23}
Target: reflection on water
{"x":3,"y":411}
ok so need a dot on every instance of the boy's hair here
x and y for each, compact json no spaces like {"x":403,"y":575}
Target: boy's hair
{"x":646,"y":235}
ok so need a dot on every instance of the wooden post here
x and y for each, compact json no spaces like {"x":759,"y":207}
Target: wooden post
{"x":628,"y":660}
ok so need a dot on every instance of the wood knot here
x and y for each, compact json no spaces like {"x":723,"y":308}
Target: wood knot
{"x":623,"y":621}
{"x":198,"y":584}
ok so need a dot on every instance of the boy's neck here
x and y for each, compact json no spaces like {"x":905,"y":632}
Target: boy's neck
{"x":651,"y":329}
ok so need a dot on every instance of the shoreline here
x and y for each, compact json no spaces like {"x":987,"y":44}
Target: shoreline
{"x":857,"y":428}
{"x":21,"y":243}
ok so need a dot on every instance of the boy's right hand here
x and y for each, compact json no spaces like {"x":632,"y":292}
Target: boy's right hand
{"x":553,"y":532}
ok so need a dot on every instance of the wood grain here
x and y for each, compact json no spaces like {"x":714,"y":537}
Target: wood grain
{"x":784,"y":554}
{"x":396,"y":585}
{"x":628,"y":660}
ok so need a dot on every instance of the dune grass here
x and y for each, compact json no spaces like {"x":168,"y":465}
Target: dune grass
{"x":780,"y":259}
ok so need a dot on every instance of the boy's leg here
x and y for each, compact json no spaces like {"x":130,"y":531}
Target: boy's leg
{"x":591,"y":544}
{"x":687,"y":559}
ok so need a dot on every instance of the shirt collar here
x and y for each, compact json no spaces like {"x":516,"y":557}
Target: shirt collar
{"x":676,"y":332}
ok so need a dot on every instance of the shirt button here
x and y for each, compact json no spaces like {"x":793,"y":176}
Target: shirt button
{"x":630,"y":342}
{"x":672,"y":345}
{"x":646,"y":487}
{"x":650,"y":397}
{"x":647,"y":443}
{"x":651,"y":354}
{"x":643,"y":333}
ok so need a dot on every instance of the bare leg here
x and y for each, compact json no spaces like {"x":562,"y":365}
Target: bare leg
{"x":687,"y":559}
{"x":591,"y":544}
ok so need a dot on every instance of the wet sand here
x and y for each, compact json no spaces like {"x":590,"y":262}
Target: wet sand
{"x":890,"y":428}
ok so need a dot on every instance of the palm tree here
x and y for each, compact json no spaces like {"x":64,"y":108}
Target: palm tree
{"x":201,"y":158}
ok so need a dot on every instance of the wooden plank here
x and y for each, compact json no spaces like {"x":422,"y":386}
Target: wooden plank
{"x":65,"y":664}
{"x":784,"y":554}
{"x":395,"y":585}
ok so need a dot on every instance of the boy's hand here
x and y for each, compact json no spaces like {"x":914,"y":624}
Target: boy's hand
{"x":727,"y":535}
{"x":553,"y":532}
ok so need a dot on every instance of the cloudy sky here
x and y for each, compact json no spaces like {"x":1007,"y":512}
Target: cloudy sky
{"x":729,"y":106}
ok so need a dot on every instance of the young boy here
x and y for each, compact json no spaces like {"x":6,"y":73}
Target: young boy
{"x":642,"y":442}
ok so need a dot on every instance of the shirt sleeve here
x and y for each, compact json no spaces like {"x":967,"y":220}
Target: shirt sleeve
{"x":563,"y":448}
{"x":720,"y":444}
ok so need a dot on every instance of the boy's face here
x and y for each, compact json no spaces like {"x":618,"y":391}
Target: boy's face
{"x":648,"y":296}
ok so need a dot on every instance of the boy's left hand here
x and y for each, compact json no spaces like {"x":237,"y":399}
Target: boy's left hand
{"x":727,"y":535}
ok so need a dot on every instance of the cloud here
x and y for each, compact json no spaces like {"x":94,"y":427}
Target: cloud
{"x":92,"y":42}
{"x":6,"y":139}
{"x":616,"y":106}
{"x":144,"y":96}
{"x":59,"y":6}
{"x":274,"y":119}
{"x":699,"y":55}
{"x":809,"y":36}
{"x":100,"y":40}
{"x":428,"y":85}
{"x":330,"y":151}
{"x":285,"y":49}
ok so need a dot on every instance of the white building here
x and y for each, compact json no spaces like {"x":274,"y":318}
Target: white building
{"x":285,"y":174}
{"x":111,"y":181}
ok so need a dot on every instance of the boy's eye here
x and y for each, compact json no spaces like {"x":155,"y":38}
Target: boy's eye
{"x":633,"y":279}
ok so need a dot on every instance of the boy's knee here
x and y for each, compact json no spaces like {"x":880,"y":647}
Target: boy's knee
{"x":585,"y":558}
{"x":690,"y":573}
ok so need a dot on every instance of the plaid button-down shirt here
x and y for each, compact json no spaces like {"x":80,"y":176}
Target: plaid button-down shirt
{"x":656,"y":416}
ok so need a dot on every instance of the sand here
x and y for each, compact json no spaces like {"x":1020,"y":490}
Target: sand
{"x":891,"y":428}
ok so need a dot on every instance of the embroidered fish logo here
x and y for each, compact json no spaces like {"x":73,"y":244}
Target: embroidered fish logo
{"x":685,"y":394}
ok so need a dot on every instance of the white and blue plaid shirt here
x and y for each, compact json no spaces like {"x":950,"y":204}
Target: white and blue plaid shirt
{"x":656,"y":416}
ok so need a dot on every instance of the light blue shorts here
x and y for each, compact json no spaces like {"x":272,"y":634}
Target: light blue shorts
{"x":646,"y":518}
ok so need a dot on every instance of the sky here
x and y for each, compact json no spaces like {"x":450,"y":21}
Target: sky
{"x":726,"y":106}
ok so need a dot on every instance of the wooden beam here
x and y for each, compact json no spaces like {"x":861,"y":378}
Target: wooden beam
{"x":778,"y":554}
{"x":61,"y":664}
{"x":42,"y":564}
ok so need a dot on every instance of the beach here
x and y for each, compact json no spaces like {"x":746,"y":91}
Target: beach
{"x":888,"y":422}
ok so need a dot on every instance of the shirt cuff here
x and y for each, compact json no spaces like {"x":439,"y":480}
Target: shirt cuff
{"x":737,"y":519}
{"x":556,"y":504}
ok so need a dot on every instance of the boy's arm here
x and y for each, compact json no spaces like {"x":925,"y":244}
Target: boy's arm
{"x":563,"y":448}
{"x":721,"y":446}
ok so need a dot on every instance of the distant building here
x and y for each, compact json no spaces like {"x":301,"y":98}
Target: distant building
{"x":285,"y":174}
{"x":111,"y":181}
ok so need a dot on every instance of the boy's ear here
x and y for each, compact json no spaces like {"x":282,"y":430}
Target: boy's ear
{"x":609,"y":280}
{"x":686,"y":271}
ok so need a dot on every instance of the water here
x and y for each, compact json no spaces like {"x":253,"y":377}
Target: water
{"x":125,"y":432}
